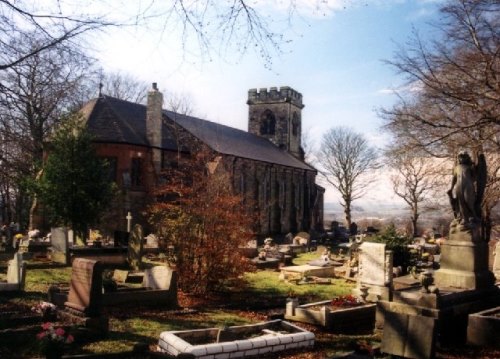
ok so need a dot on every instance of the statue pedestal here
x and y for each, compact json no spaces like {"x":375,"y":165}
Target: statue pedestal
{"x":464,"y":261}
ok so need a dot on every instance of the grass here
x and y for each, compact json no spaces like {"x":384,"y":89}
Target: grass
{"x":129,"y":326}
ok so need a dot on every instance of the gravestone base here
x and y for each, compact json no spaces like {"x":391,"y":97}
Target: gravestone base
{"x":95,"y":327}
{"x":449,"y":309}
{"x":373,"y":293}
{"x":464,"y":261}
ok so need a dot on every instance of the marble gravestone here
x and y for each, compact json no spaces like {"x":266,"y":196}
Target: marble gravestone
{"x":374,"y":271}
{"x":158,"y":277}
{"x":59,"y":244}
{"x":85,"y":293}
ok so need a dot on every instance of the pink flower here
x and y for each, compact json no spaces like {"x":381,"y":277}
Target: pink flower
{"x":46,"y":326}
{"x":70,"y":339}
{"x":60,"y":331}
{"x":40,"y":336}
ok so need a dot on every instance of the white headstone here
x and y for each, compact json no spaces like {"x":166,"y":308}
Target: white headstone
{"x":375,"y":264}
{"x":158,"y":277}
{"x":152,"y":241}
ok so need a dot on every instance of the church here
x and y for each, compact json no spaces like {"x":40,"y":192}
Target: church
{"x":265,"y":163}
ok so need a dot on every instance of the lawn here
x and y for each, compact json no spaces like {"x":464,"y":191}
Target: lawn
{"x":262,"y":296}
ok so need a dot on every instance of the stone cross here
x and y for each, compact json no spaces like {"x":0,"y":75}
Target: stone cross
{"x":129,"y":221}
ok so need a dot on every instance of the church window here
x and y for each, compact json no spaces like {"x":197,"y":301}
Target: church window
{"x":295,"y":124}
{"x":268,"y":123}
{"x":111,"y":166}
{"x":135,"y":172}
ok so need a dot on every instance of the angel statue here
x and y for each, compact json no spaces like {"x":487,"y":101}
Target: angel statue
{"x":467,"y":189}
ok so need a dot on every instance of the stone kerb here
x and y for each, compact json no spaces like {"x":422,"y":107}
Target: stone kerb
{"x":374,"y":272}
{"x":177,"y":342}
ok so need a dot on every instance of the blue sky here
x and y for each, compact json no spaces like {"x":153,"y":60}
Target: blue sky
{"x":335,"y":59}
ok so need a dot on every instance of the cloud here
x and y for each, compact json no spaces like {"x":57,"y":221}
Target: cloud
{"x":412,"y":88}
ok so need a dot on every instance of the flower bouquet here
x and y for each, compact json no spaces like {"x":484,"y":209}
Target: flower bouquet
{"x":53,"y":340}
{"x":47,"y":310}
{"x":345,"y":301}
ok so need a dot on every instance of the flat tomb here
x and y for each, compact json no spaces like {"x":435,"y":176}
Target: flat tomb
{"x":307,"y":270}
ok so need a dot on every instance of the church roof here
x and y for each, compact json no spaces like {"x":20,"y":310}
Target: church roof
{"x":117,"y":121}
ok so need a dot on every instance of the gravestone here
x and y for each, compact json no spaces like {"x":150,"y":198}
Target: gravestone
{"x":152,"y":241}
{"x":85,"y":292}
{"x":158,"y":277}
{"x":16,"y":274}
{"x":135,"y":248}
{"x":59,"y":244}
{"x":374,"y":272}
{"x":496,"y":262}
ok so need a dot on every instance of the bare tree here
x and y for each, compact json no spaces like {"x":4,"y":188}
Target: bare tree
{"x":54,"y":28}
{"x":33,"y":95}
{"x":124,"y":86}
{"x":457,"y":78}
{"x":346,"y":160}
{"x":416,"y":179}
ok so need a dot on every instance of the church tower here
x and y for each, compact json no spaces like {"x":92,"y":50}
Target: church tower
{"x":277,"y":116}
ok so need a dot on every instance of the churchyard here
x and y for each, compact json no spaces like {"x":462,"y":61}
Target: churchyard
{"x":305,"y":299}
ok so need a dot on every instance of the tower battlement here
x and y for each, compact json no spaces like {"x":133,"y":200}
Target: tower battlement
{"x":275,"y":95}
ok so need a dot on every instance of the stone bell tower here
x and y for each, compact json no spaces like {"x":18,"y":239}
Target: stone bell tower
{"x":276,"y":114}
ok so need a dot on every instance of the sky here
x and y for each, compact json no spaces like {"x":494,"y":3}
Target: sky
{"x":334,"y":57}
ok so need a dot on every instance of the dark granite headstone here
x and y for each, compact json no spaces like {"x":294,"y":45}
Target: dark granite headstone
{"x":121,"y":238}
{"x":85,"y":292}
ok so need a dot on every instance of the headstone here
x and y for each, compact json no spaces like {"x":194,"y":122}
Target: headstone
{"x":409,"y":336}
{"x":121,"y":238}
{"x":158,"y":277}
{"x":120,"y":276}
{"x":135,"y":248}
{"x":152,"y":241}
{"x":59,"y":244}
{"x":496,"y":261}
{"x":14,"y":269}
{"x":85,"y":292}
{"x":375,"y":270}
{"x":302,"y":238}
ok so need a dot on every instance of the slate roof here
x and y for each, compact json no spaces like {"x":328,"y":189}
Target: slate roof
{"x":113,"y":120}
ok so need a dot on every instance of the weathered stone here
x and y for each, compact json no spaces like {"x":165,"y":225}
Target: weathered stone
{"x":409,"y":336}
{"x":85,"y":293}
{"x":59,"y":245}
{"x":464,"y":261}
{"x":374,"y":272}
{"x":16,"y":274}
{"x":135,"y":248}
{"x":120,"y":276}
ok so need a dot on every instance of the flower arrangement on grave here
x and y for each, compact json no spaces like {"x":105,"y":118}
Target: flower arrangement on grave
{"x":345,"y":301}
{"x":47,"y":310}
{"x":53,"y":340}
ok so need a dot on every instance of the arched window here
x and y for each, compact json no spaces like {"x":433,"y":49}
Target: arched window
{"x":268,"y":123}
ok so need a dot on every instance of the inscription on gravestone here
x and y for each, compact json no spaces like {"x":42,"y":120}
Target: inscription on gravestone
{"x":85,"y":293}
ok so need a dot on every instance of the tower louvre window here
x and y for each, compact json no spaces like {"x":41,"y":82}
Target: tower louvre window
{"x":268,"y":123}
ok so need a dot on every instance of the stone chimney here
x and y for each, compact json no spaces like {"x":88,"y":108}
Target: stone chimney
{"x":154,"y":124}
